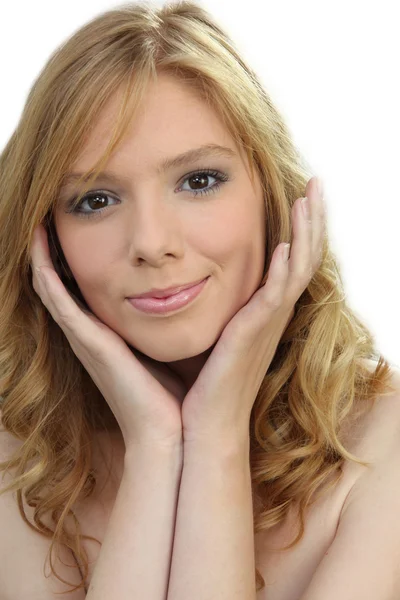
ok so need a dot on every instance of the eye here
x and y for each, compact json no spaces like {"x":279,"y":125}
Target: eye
{"x":93,"y":198}
{"x":199,"y":177}
{"x":97,"y":200}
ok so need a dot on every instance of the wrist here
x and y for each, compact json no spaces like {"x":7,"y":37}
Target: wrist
{"x":169,"y":455}
{"x":225,"y":448}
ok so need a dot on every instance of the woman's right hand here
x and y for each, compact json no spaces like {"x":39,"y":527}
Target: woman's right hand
{"x":144,"y":395}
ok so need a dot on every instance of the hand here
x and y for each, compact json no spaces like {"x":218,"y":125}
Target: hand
{"x":145,"y":397}
{"x":218,"y":405}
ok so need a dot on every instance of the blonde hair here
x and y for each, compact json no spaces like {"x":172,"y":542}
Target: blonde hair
{"x":49,"y":401}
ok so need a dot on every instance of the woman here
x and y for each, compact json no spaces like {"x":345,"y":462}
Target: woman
{"x":194,"y":437}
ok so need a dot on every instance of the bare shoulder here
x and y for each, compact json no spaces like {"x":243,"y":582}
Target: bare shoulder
{"x":375,"y":433}
{"x":384,"y":416}
{"x":373,"y":436}
{"x":23,"y":552}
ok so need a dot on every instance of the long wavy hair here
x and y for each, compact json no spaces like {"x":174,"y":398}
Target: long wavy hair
{"x":49,"y":402}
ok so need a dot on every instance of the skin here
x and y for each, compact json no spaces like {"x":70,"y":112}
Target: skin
{"x":151,"y":235}
{"x":222,"y":237}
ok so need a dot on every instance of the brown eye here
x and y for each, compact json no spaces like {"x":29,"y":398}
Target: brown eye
{"x":199,"y":179}
{"x":96,"y":201}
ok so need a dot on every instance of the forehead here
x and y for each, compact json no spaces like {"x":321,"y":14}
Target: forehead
{"x":172,"y":118}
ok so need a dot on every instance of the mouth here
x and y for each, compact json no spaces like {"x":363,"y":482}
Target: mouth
{"x":170,"y":303}
{"x":171,"y":291}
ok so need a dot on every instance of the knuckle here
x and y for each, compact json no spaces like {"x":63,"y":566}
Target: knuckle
{"x":64,"y":319}
{"x":306,"y":274}
{"x":274,"y":299}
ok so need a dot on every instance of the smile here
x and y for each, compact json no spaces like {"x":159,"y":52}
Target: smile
{"x":171,"y":303}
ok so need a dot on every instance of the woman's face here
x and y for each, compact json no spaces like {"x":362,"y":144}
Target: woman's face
{"x":154,"y":233}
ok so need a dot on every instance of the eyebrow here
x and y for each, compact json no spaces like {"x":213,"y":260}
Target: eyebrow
{"x":168,"y":163}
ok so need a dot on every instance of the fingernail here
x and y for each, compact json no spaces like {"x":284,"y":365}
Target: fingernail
{"x":320,"y":187}
{"x":285,"y":252}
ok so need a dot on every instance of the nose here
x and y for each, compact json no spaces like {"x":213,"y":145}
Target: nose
{"x":155,"y":231}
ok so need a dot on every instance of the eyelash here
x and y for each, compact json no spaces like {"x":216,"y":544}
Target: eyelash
{"x":72,"y":206}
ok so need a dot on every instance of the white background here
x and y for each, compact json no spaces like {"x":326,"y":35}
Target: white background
{"x":332,"y":69}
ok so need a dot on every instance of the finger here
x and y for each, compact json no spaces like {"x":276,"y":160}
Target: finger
{"x":318,"y":217}
{"x":300,"y":261}
{"x":274,"y":289}
{"x":39,"y":250}
{"x":308,"y":236}
{"x":53,"y":293}
{"x":40,"y":257}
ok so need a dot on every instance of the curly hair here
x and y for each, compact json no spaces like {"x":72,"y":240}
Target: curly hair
{"x":49,"y":402}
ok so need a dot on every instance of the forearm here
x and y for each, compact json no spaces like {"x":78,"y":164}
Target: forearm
{"x":213,"y":552}
{"x":135,"y":557}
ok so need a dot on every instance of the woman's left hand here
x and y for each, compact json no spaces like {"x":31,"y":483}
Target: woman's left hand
{"x":218,"y":405}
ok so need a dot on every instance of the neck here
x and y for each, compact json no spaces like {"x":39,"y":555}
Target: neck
{"x":188,"y":369}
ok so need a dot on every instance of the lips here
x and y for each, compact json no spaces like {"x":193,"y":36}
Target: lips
{"x":168,"y":291}
{"x":170,"y":304}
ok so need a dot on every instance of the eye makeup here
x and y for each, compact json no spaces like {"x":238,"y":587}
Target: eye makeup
{"x":74,"y":206}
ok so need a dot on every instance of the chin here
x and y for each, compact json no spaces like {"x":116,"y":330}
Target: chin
{"x":169,"y":356}
{"x":171,"y":353}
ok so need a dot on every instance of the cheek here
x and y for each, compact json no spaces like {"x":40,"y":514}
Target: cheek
{"x":88,"y":258}
{"x":235,"y":232}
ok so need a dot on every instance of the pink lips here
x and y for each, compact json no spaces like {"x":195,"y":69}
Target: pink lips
{"x":154,"y":293}
{"x":170,"y":303}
